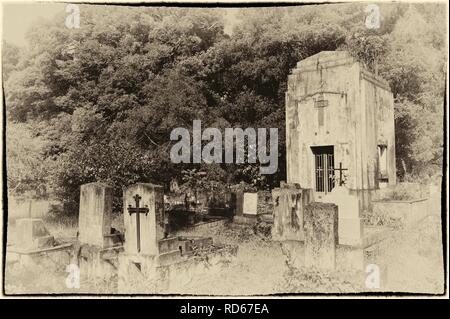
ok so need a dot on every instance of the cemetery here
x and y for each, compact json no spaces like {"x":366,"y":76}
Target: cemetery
{"x":340,"y":209}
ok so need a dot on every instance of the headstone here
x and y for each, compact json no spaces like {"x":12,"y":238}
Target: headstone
{"x":350,"y":224}
{"x":289,"y":202}
{"x":94,"y":221}
{"x":250,"y":203}
{"x":321,"y":235}
{"x":143,"y":218}
{"x":239,"y":210}
{"x":32,"y":234}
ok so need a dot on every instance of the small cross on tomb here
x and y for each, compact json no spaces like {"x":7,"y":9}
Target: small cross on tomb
{"x":340,"y":169}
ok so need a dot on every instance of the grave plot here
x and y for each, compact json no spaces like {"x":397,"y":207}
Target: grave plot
{"x":401,"y":205}
{"x":154,"y":262}
{"x":331,"y":236}
{"x":303,"y":226}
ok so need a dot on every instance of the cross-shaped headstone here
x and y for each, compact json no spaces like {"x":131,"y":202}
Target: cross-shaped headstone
{"x":138,"y":210}
{"x":340,"y":169}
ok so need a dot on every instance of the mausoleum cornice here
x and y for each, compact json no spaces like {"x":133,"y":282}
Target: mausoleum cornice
{"x":375,"y":79}
{"x":332,"y":59}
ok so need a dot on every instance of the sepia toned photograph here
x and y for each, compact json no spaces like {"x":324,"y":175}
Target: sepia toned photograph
{"x":231,"y":149}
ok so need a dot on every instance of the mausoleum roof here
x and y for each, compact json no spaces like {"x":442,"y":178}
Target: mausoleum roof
{"x":329,"y":59}
{"x":326,"y":57}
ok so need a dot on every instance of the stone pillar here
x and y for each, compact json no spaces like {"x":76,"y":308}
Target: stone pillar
{"x":137,"y":273}
{"x":239,"y":203}
{"x":94,"y":220}
{"x":151,"y":222}
{"x":288,"y":204}
{"x":321,"y":235}
{"x":350,"y":224}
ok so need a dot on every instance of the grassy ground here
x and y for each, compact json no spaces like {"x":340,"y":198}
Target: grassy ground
{"x":411,"y":261}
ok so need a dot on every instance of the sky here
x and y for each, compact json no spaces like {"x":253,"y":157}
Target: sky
{"x":19,"y":16}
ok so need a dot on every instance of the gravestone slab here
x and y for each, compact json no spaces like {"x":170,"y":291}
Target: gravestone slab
{"x":350,"y":225}
{"x":143,"y":211}
{"x":32,"y":234}
{"x":289,"y":202}
{"x":94,"y":221}
{"x":321,"y":235}
{"x":250,"y":204}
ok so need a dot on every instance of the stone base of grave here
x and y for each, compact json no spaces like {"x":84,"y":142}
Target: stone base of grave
{"x":137,"y":274}
{"x":55,"y":256}
{"x":321,"y":235}
{"x":33,"y":246}
{"x":169,"y":272}
{"x":98,"y":263}
{"x":175,"y":276}
{"x":245,"y":219}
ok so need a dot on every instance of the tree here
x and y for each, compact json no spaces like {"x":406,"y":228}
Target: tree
{"x":101,"y":100}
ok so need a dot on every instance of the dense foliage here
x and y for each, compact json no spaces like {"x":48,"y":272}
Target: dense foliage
{"x":98,"y":103}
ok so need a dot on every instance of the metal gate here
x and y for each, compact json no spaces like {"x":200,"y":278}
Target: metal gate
{"x":324,"y":168}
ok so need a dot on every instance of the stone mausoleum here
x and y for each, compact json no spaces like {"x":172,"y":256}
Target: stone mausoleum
{"x":339,"y":127}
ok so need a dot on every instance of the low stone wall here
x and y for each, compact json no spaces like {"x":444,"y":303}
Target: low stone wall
{"x":402,"y":191}
{"x":154,"y":276}
{"x":402,"y":212}
{"x":206,"y":226}
{"x":173,"y":278}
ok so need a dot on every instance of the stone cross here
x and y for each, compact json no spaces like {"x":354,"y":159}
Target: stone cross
{"x":138,"y":210}
{"x":143,"y":218}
